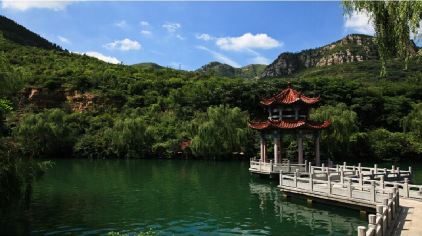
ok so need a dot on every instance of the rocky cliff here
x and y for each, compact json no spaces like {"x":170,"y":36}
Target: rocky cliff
{"x":352,"y":48}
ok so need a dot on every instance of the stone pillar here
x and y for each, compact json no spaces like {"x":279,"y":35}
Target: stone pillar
{"x":317,"y":154}
{"x":277,"y":149}
{"x":263,"y":149}
{"x":300,"y":147}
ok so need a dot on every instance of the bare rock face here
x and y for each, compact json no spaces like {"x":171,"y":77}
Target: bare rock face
{"x":48,"y":98}
{"x":80,"y":102}
{"x":43,"y":97}
{"x":352,"y":48}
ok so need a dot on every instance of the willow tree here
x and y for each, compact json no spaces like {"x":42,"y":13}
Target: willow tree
{"x":336,"y":139}
{"x":394,"y":22}
{"x":220,"y":132}
{"x":413,"y":121}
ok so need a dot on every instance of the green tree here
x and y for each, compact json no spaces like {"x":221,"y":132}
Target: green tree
{"x":386,"y":145}
{"x":336,"y":139}
{"x":47,"y":133}
{"x":393,"y":23}
{"x":220,"y":132}
{"x":412,"y":123}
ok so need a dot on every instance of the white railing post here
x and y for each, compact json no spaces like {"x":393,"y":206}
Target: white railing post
{"x":329,"y":184}
{"x":337,"y":168}
{"x":385,"y":206}
{"x":344,"y":165}
{"x":322,"y":167}
{"x":295,"y":178}
{"x":393,"y":169}
{"x":360,"y":167}
{"x":410,"y":170}
{"x":373,"y":192}
{"x":342,"y":177}
{"x":288,"y":166}
{"x":382,"y":182}
{"x":349,"y":188}
{"x":397,"y":199}
{"x":392,"y":209}
{"x":281,"y":177}
{"x":372,"y":219}
{"x":310,"y":167}
{"x":361,"y":231}
{"x":406,"y":187}
{"x":360,"y":181}
{"x":376,"y":168}
{"x":379,"y":210}
{"x":311,"y":182}
{"x":398,"y":172}
{"x":271,"y":166}
{"x":306,"y":165}
{"x":385,"y":173}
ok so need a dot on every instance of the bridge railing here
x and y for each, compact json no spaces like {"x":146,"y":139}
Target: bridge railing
{"x":405,"y":189}
{"x":370,"y":194}
{"x":382,"y":222}
{"x":270,"y":167}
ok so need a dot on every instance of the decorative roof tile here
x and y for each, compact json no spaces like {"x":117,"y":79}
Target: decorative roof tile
{"x":289,"y":124}
{"x":289,"y":96}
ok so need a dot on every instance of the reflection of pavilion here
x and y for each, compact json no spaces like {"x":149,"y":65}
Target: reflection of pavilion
{"x":297,"y":213}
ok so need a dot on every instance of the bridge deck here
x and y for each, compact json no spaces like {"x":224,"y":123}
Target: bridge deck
{"x":410,"y":219}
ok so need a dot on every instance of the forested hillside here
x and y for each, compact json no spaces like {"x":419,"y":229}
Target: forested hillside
{"x":69,"y":105}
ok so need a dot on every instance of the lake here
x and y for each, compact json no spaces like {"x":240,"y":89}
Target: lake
{"x":171,"y":197}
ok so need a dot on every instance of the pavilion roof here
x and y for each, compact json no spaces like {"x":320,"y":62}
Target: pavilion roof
{"x":289,"y":96}
{"x":289,"y":124}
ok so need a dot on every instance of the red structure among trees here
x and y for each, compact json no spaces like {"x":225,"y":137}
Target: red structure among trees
{"x":288,"y":113}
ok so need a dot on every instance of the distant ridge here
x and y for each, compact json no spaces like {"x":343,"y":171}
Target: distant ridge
{"x":16,"y":33}
{"x":224,"y":70}
{"x":352,"y":48}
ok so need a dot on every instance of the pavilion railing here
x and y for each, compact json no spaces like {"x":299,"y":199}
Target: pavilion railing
{"x":369,"y":194}
{"x":382,"y":223}
{"x":270,"y":167}
{"x":386,"y":201}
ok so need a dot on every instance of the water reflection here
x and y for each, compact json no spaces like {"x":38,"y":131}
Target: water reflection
{"x":296,"y":212}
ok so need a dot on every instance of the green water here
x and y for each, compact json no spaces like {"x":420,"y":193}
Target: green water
{"x":81,"y":197}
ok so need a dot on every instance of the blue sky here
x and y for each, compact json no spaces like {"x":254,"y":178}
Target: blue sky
{"x":189,"y":34}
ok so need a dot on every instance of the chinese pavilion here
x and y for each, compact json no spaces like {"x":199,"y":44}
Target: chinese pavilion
{"x":288,"y":113}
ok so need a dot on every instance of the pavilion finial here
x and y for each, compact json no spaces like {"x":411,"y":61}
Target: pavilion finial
{"x":289,"y":84}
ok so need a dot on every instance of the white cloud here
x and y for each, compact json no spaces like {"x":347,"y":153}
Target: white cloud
{"x":146,"y":32}
{"x":121,"y":24}
{"x":219,"y":57}
{"x":63,"y":39}
{"x":172,"y":27}
{"x":247,"y":42}
{"x":359,"y":22}
{"x":260,"y":60}
{"x":205,"y":37}
{"x":103,"y":57}
{"x":144,"y":23}
{"x":180,"y":37}
{"x":123,"y":45}
{"x":23,"y":5}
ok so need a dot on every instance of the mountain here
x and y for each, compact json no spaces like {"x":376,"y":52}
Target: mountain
{"x":352,"y":48}
{"x":224,"y":70}
{"x":148,"y":65}
{"x":16,"y":33}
